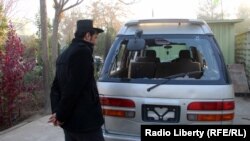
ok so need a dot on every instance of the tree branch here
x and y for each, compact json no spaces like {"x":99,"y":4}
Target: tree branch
{"x":56,"y":3}
{"x":128,"y":3}
{"x":66,"y":2}
{"x":73,"y":5}
{"x":9,"y":7}
{"x":62,"y":2}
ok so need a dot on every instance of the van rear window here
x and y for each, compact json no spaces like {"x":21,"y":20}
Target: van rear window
{"x":192,"y":56}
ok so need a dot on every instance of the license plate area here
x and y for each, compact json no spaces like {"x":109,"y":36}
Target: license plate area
{"x":161,"y":113}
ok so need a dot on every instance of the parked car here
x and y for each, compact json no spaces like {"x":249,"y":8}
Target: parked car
{"x":164,"y":72}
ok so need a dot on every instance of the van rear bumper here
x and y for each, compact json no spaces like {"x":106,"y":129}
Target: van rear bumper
{"x":118,"y":137}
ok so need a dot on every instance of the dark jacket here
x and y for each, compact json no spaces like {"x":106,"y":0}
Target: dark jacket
{"x":74,"y":95}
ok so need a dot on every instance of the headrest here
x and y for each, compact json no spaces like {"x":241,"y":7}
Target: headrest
{"x":185,"y":54}
{"x":150,"y":53}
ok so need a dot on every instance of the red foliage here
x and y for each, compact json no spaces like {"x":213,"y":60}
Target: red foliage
{"x":13,"y":67}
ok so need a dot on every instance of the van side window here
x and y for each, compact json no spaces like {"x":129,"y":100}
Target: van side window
{"x":118,"y":63}
{"x":122,"y":60}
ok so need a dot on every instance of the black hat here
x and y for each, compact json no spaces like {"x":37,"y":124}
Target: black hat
{"x":84,"y":25}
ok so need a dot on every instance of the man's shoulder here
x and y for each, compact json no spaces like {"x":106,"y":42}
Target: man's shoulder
{"x":75,"y":48}
{"x":81,"y":46}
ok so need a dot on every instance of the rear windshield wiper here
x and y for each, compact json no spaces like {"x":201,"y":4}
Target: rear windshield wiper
{"x":171,"y":77}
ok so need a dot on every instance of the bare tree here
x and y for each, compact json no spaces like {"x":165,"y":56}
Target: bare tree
{"x":128,"y":2}
{"x":44,"y":48}
{"x":68,"y":24}
{"x":9,"y":7}
{"x":210,"y":9}
{"x":107,"y":15}
{"x":243,"y":11}
{"x":60,"y":7}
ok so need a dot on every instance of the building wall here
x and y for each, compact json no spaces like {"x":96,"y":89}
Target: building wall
{"x":243,"y":51}
{"x":224,"y":34}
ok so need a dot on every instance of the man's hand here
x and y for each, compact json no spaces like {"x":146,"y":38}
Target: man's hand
{"x":53,"y":120}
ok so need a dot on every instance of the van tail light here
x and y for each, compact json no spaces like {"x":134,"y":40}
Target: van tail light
{"x":210,"y":117}
{"x":117,"y":102}
{"x":118,"y":113}
{"x":117,"y":107}
{"x":212,"y":108}
{"x":226,"y":105}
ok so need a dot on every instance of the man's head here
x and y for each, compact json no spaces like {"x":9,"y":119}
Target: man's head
{"x":86,"y":31}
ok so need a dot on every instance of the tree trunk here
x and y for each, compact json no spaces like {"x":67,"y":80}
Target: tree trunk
{"x":54,"y":41}
{"x":60,"y":7}
{"x":45,"y":58}
{"x":107,"y":43}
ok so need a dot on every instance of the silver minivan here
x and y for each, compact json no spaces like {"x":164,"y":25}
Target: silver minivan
{"x":164,"y":72}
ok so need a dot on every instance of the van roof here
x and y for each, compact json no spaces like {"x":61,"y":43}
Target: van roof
{"x":166,"y":26}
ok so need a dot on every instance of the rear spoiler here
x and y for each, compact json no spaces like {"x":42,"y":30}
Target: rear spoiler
{"x":179,"y":21}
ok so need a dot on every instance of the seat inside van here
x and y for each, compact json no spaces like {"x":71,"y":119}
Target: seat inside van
{"x":150,"y":56}
{"x":144,"y":66}
{"x":183,"y":64}
{"x":142,"y":70}
{"x":150,"y":66}
{"x":184,"y":55}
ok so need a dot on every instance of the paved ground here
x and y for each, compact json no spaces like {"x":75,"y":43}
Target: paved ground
{"x":242,"y":106}
{"x":37,"y":128}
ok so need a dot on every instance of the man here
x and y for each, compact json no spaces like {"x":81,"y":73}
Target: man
{"x":74,"y":96}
